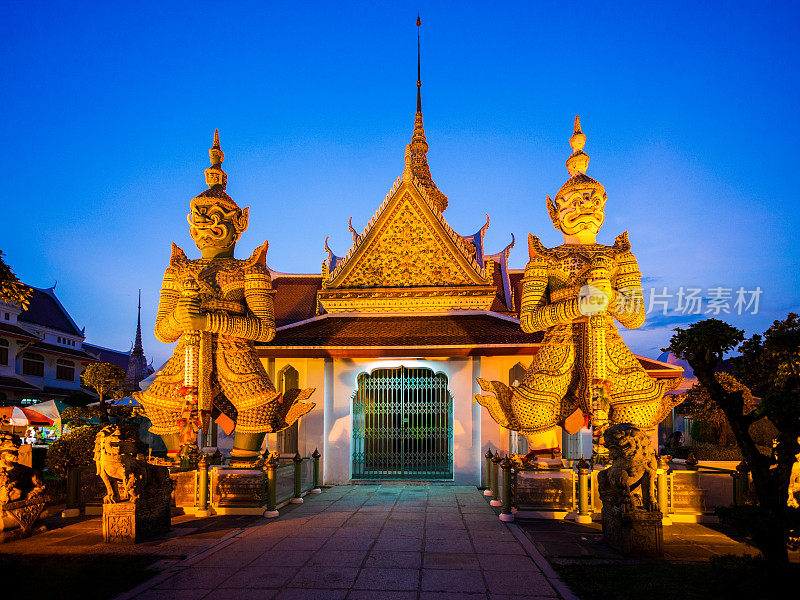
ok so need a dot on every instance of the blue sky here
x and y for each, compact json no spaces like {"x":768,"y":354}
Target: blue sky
{"x":690,"y":110}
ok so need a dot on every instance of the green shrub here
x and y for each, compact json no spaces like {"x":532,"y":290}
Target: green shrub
{"x":73,"y":449}
{"x":763,"y":432}
{"x":76,"y":448}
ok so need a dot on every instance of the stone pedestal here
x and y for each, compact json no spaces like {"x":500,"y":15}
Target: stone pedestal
{"x":146,"y":517}
{"x":131,"y":522}
{"x":21,"y":518}
{"x":545,"y":490}
{"x":634,"y":532}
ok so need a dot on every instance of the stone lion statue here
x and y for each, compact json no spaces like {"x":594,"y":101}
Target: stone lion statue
{"x":115,"y":458}
{"x":630,"y":481}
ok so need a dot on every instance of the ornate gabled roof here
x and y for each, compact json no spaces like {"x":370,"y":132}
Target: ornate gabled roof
{"x":408,"y":258}
{"x":46,"y":309}
{"x":409,"y":253}
{"x":465,"y":247}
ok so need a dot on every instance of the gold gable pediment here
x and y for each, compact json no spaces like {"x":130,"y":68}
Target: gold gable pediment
{"x":407,"y":247}
{"x":408,"y":258}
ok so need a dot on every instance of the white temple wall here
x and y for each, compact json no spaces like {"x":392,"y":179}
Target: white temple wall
{"x":338,"y":414}
{"x":328,"y":427}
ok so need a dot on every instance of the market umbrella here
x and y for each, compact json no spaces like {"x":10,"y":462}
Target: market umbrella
{"x":127,"y":401}
{"x":22,"y":417}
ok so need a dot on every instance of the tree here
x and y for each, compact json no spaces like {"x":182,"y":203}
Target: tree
{"x":12,"y":290}
{"x":699,"y":406}
{"x":772,"y":366}
{"x":103,"y":378}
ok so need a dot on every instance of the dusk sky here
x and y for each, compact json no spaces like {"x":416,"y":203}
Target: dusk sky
{"x":690,"y":112}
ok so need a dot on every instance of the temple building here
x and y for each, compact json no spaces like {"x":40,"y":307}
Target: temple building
{"x":393,"y":336}
{"x":43,"y":352}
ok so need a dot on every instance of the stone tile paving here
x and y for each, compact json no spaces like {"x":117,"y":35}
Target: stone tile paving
{"x":83,"y":535}
{"x":566,"y":542}
{"x":376,"y":542}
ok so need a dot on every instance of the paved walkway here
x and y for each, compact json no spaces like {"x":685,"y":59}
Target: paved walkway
{"x":565,"y":542}
{"x":393,"y":542}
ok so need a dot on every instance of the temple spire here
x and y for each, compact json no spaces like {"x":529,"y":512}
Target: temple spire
{"x":419,"y":77}
{"x":137,"y":345}
{"x":137,"y":363}
{"x":419,"y":145}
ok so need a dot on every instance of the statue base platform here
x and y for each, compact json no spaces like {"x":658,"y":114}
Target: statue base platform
{"x":132,"y":522}
{"x":545,"y":490}
{"x":687,"y":495}
{"x":634,"y":532}
{"x":21,"y":519}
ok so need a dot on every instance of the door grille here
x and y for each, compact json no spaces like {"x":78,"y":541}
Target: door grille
{"x":402,"y":425}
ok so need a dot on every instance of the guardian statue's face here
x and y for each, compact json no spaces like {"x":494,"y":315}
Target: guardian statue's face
{"x":580,"y":211}
{"x":213,"y":226}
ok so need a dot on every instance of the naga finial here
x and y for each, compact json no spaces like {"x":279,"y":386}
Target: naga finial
{"x":353,"y":232}
{"x":578,"y":161}
{"x":215,"y":176}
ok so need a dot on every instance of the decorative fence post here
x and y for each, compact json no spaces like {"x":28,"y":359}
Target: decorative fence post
{"x":505,"y":512}
{"x":584,"y":514}
{"x":202,"y":483}
{"x":662,"y":489}
{"x":73,"y":493}
{"x":315,"y":456}
{"x":272,"y":487}
{"x":488,"y":490}
{"x":495,"y":483}
{"x":298,"y":482}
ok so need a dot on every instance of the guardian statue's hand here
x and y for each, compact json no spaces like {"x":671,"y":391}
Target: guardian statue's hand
{"x":189,"y":314}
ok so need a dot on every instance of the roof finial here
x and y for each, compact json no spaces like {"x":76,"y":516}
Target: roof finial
{"x":214,"y":174}
{"x":578,"y":160}
{"x":419,"y":77}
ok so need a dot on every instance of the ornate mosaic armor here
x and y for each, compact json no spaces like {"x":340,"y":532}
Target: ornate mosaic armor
{"x":583,"y":363}
{"x":237,"y":297}
{"x":216,"y":307}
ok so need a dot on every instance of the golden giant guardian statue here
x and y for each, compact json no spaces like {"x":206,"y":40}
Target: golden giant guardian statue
{"x":216,"y":307}
{"x":575,"y":292}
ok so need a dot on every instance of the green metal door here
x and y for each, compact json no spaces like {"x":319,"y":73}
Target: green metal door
{"x":402,"y":425}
